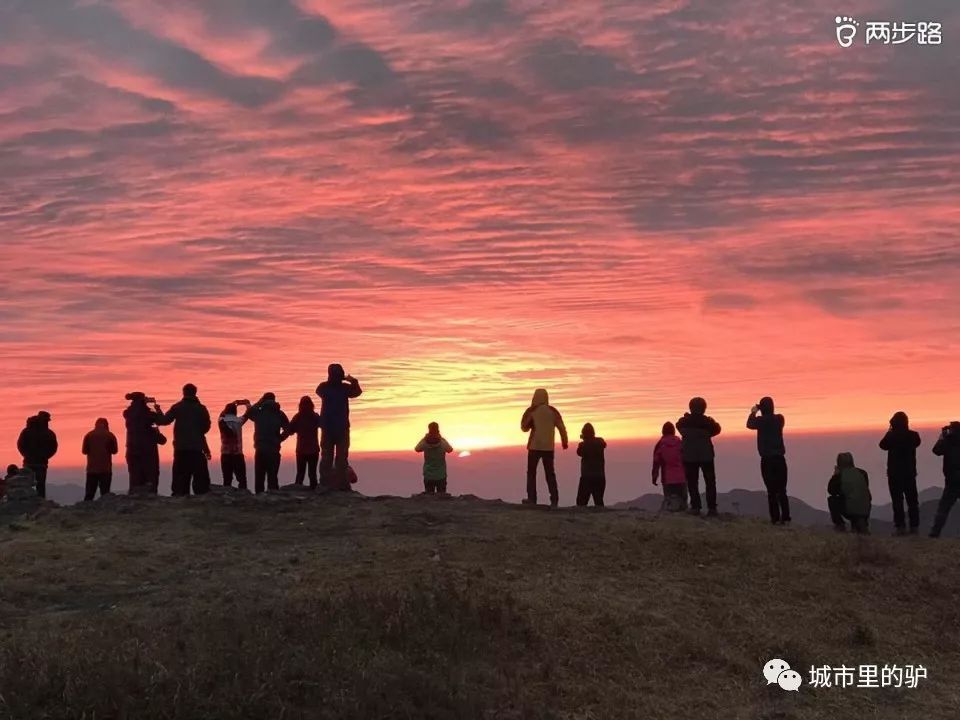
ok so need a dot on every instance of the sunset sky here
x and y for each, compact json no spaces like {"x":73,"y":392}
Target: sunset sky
{"x":626,"y":202}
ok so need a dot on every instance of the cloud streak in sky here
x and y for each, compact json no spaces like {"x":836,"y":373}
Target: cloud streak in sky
{"x":630,"y":203}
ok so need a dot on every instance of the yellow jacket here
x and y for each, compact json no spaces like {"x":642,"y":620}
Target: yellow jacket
{"x":542,"y":421}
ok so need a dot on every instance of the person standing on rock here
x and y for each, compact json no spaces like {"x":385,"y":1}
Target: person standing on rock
{"x":773,"y":458}
{"x":269,"y":423}
{"x":306,"y":426}
{"x":99,"y":445}
{"x":435,"y":449}
{"x":233,"y":463}
{"x":335,"y":396}
{"x":697,"y":430}
{"x":191,"y":422}
{"x":668,"y":468}
{"x":143,"y":443}
{"x":593,"y":471}
{"x":901,"y":444}
{"x":947,"y":447}
{"x":542,"y":421}
{"x":37,"y":444}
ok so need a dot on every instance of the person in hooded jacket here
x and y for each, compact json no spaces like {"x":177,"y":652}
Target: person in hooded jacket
{"x":270,"y":423}
{"x":697,"y":430}
{"x":668,"y":468}
{"x":37,"y":444}
{"x":542,"y":421}
{"x":99,"y":445}
{"x":773,"y":460}
{"x":335,"y":396}
{"x":435,"y":449}
{"x":191,"y":423}
{"x":233,"y":463}
{"x":849,"y":496}
{"x":143,"y":441}
{"x":901,"y":444}
{"x":947,"y":447}
{"x":593,"y":472}
{"x":306,"y":426}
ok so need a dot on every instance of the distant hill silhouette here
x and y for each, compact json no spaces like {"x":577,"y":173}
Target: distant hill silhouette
{"x":753,"y":503}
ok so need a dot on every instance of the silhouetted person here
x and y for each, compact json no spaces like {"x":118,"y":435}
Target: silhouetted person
{"x":143,"y":441}
{"x":698,"y":430}
{"x":12,"y":472}
{"x":901,"y":444}
{"x":435,"y":449}
{"x":849,"y":496}
{"x":191,"y":423}
{"x":593,"y":473}
{"x":37,"y":444}
{"x":542,"y":421}
{"x":668,"y":468}
{"x":773,"y":460}
{"x":269,"y":423}
{"x":306,"y":426}
{"x":99,"y":445}
{"x":233,"y":463}
{"x":335,"y":395}
{"x":947,"y":447}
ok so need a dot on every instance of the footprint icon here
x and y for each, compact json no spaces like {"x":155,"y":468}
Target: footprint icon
{"x":846,"y":30}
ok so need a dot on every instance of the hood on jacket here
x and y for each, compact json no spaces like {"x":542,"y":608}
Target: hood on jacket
{"x":766,"y":405}
{"x":12,"y":471}
{"x":335,"y":373}
{"x":433,"y":433}
{"x":845,"y":461}
{"x":588,"y":433}
{"x":698,"y":406}
{"x":102,"y":424}
{"x":540,"y":397}
{"x":668,"y":429}
{"x":306,"y":405}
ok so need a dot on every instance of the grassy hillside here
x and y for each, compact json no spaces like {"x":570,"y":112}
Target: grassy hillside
{"x":346,"y":607}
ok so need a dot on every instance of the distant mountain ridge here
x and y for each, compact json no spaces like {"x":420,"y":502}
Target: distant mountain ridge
{"x":753,"y":503}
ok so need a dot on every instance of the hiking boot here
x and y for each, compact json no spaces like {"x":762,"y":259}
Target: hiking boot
{"x":712,"y":513}
{"x":554,"y":502}
{"x":528,"y":501}
{"x":785,"y":523}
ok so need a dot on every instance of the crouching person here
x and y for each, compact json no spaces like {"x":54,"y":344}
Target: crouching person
{"x":849,"y":496}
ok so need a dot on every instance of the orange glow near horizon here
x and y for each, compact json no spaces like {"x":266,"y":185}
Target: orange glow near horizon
{"x":626,"y":203}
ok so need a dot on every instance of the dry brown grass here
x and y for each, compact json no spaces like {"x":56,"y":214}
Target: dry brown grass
{"x":345,"y":607}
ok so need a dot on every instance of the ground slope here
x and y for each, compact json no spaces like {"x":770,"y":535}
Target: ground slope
{"x":347,"y":607}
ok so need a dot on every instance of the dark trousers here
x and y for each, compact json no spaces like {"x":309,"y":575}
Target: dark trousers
{"x":904,"y":487}
{"x":234,"y":466}
{"x":951,"y":491}
{"x":692,"y":470}
{"x":591,"y":487}
{"x":838,"y":514}
{"x":266,"y":467}
{"x":774,"y":473}
{"x":40,"y":475}
{"x":674,"y":497}
{"x":143,"y":468}
{"x":533,"y":458}
{"x":190,"y":467}
{"x":334,"y":456}
{"x":307,"y":466}
{"x":434,"y":486}
{"x":97,"y":481}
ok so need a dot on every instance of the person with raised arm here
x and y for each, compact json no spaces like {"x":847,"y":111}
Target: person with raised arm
{"x":335,"y":396}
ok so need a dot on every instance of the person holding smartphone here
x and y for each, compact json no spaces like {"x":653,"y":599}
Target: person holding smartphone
{"x":773,"y":458}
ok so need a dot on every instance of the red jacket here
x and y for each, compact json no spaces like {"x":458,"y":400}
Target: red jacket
{"x":668,"y":461}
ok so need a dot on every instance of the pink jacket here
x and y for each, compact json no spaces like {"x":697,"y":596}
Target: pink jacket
{"x":668,"y":461}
